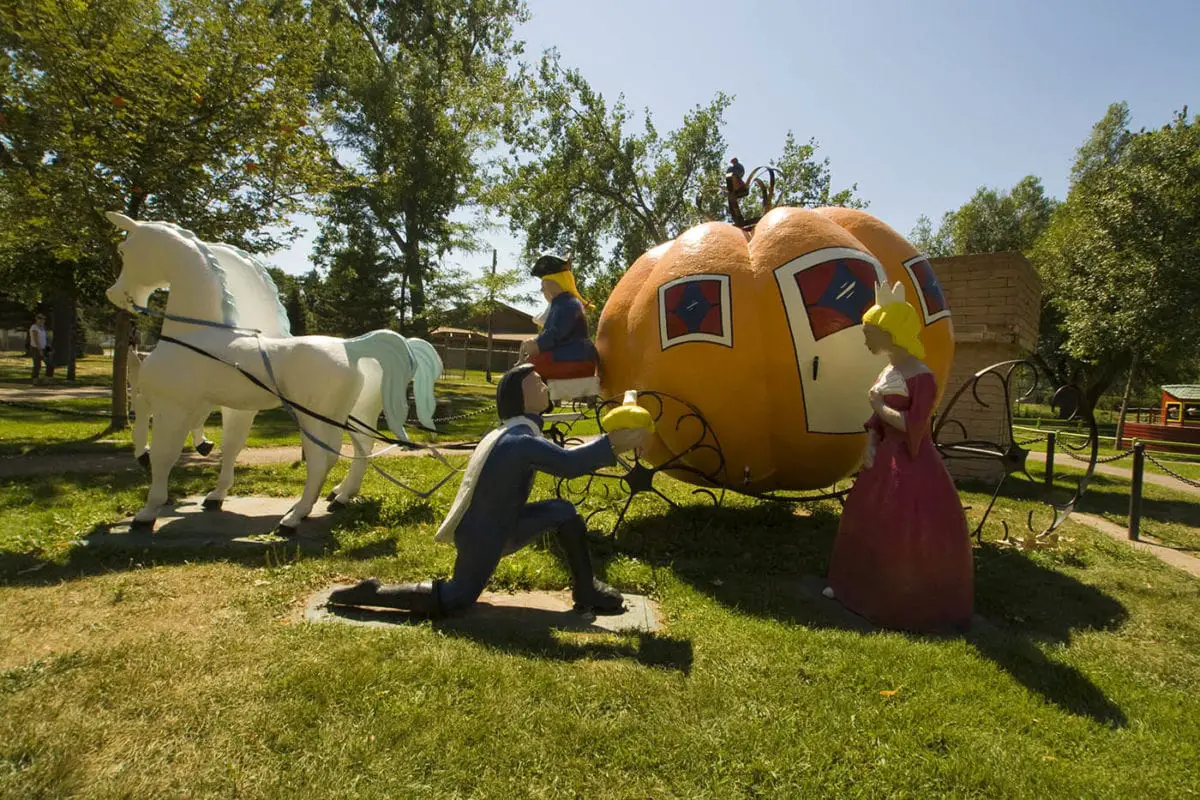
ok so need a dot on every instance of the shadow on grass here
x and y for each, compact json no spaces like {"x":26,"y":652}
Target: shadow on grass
{"x":544,"y":634}
{"x":766,"y":561}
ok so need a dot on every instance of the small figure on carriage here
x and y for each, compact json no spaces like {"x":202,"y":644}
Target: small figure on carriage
{"x":562,"y":354}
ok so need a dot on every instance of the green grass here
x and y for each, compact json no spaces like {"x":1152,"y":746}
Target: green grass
{"x":1169,"y":517}
{"x":171,"y":674}
{"x":78,"y":424}
{"x":89,"y":371}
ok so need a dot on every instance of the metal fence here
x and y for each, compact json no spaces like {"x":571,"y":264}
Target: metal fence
{"x":1137,"y":469}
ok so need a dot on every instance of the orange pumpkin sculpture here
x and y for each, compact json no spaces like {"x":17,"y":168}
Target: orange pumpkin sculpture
{"x":761,"y":331}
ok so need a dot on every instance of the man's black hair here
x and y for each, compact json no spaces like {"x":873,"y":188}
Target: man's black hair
{"x":510,"y":395}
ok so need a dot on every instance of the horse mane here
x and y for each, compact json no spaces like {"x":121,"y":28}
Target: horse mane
{"x":285,"y":324}
{"x":228,"y":301}
{"x":229,"y":307}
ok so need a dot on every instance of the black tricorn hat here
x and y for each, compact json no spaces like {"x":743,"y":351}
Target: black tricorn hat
{"x":549,"y":264}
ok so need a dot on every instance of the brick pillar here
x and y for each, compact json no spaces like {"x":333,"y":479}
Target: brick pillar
{"x":994,"y":301}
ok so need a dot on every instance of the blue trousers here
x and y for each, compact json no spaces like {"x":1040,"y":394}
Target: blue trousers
{"x":481,"y":548}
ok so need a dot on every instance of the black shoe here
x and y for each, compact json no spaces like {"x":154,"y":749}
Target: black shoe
{"x":417,"y":598}
{"x":588,"y":593}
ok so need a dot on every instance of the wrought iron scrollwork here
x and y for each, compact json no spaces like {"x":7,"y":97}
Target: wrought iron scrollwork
{"x":610,"y":491}
{"x":761,"y":177}
{"x":1011,"y":455}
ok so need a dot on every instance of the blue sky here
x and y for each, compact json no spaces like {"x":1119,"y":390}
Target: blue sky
{"x":919,"y":102}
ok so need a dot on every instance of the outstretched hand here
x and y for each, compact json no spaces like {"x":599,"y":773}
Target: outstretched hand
{"x":626,"y":439}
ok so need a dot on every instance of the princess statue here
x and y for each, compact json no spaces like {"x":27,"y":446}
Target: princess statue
{"x":902,"y":557}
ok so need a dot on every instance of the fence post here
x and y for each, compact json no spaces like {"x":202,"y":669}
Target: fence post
{"x":1051,"y":437}
{"x":1135,"y":490}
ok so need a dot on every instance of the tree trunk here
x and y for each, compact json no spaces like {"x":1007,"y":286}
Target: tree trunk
{"x":63,"y":338}
{"x":491,"y":306}
{"x":120,"y":391}
{"x":74,"y":339}
{"x":413,"y":269}
{"x":120,"y":394}
{"x":1125,"y":400}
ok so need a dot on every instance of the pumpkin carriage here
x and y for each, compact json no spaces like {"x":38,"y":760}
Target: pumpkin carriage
{"x":744,"y":340}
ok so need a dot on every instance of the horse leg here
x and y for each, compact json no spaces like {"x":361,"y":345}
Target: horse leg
{"x":170,"y":432}
{"x":141,"y":429}
{"x":201,"y":443}
{"x":235,"y":427}
{"x":367,"y":410}
{"x":319,"y":461}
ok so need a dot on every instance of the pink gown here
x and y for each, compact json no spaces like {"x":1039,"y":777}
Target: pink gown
{"x":902,"y":557}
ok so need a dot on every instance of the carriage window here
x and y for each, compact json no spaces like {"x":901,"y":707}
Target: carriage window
{"x":695,"y":308}
{"x":933,"y":301}
{"x":836,"y":294}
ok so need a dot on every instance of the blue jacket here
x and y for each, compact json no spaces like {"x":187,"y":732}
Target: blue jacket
{"x":507,"y":478}
{"x":565,"y":333}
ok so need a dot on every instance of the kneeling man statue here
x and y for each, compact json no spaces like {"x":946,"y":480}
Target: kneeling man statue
{"x":491,"y":516}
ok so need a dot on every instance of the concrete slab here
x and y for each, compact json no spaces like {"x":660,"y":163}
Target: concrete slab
{"x":243,"y":523}
{"x":527,"y":612}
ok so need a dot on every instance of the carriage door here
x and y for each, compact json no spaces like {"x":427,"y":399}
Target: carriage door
{"x":825,"y":294}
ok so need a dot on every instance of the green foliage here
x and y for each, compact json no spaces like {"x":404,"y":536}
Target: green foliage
{"x":1120,"y":258}
{"x":594,"y":183}
{"x":606,"y":188}
{"x":194,"y":112}
{"x":417,"y":94}
{"x":990,"y":222}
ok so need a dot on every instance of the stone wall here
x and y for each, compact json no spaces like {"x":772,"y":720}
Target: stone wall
{"x":994,"y":304}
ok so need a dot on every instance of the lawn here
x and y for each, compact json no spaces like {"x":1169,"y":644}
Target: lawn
{"x":465,"y":411}
{"x":186,"y":674}
{"x":89,"y":371}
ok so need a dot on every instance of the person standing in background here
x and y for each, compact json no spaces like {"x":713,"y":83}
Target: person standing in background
{"x":39,"y":348}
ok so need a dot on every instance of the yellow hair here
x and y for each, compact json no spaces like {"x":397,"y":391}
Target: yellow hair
{"x":566,"y":281}
{"x":901,"y":321}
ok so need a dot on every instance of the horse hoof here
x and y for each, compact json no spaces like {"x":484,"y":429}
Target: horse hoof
{"x":335,"y":505}
{"x":141,"y":525}
{"x":213,"y":505}
{"x":287,"y":531}
{"x":204,"y":448}
{"x":144,"y":460}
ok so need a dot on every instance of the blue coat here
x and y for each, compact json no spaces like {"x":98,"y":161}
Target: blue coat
{"x":565,"y":332}
{"x":500,"y":520}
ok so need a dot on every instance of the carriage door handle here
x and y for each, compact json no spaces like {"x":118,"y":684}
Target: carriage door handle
{"x":816,"y":364}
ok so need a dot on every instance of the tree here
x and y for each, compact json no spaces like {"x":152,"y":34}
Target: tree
{"x":606,"y":189}
{"x":419,"y":94}
{"x":935,"y":244}
{"x":1119,"y":258}
{"x":194,"y":112}
{"x":990,"y":222}
{"x":592,"y":185}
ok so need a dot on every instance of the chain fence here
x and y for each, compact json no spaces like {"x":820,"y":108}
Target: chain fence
{"x":1171,"y":472}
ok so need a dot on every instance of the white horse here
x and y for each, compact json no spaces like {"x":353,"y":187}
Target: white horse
{"x":330,"y":377}
{"x":258,"y":301}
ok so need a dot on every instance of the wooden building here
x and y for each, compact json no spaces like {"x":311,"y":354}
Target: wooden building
{"x":1180,"y":405}
{"x":1178,"y":424}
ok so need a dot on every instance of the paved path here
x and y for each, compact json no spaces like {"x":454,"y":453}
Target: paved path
{"x":46,"y":464}
{"x":1117,"y":472}
{"x":24,"y":393}
{"x":1176,"y":558}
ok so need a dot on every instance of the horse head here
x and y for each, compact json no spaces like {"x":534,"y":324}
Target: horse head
{"x":141,"y":264}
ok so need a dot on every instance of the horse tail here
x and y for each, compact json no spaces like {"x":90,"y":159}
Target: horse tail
{"x":396,"y":360}
{"x":429,"y":369}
